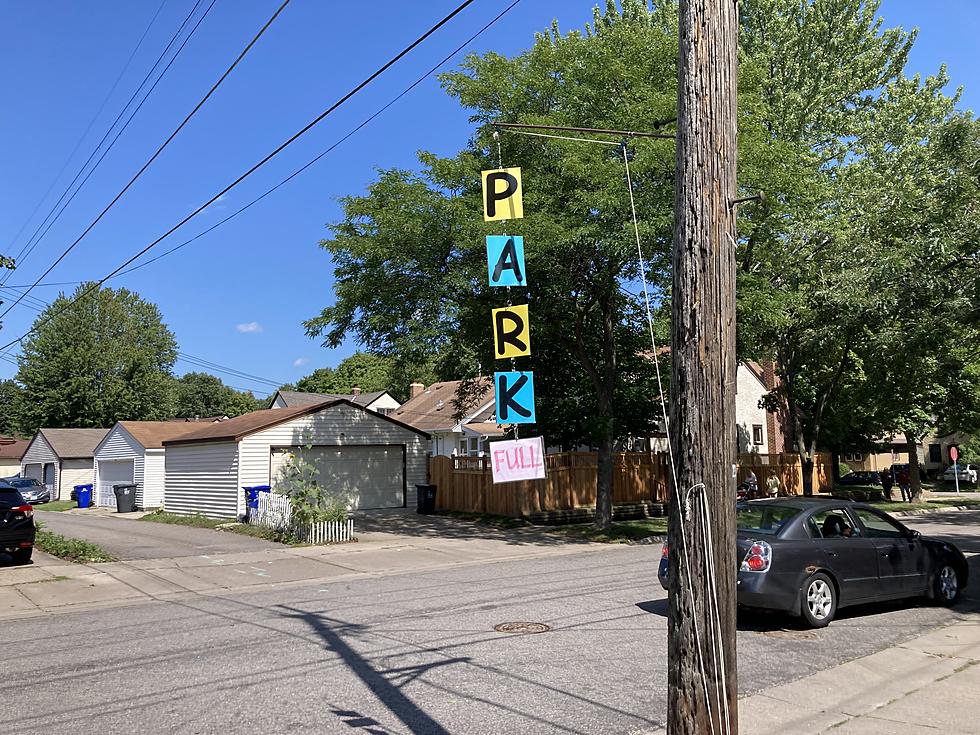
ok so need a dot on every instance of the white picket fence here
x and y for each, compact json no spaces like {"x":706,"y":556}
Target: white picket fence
{"x":275,"y":511}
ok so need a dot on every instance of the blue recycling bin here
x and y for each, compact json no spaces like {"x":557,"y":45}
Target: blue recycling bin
{"x":83,"y":495}
{"x":252,"y":498}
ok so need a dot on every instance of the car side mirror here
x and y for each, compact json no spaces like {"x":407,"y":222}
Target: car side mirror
{"x":914,"y":535}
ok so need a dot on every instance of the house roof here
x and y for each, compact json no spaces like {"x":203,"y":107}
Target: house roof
{"x":434,"y":408}
{"x":293,"y":398}
{"x":73,"y":443}
{"x":152,"y":434}
{"x":484,"y":428}
{"x":11,"y":448}
{"x":241,"y":426}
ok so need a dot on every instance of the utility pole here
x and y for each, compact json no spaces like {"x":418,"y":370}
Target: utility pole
{"x":701,"y":625}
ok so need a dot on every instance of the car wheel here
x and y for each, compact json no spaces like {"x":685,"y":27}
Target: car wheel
{"x":818,"y":601}
{"x":946,"y":585}
{"x":22,"y":556}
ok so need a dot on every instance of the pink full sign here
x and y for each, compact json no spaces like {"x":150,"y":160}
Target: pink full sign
{"x":517,"y":459}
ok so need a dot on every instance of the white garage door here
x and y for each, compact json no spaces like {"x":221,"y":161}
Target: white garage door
{"x":373,"y":476}
{"x":112,"y":472}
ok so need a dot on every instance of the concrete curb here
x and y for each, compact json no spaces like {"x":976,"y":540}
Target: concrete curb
{"x":931,"y":511}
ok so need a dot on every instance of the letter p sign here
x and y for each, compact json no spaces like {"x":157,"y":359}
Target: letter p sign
{"x":503,"y":197}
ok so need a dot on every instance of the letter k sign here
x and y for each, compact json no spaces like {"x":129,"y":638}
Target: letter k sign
{"x":515,"y":397}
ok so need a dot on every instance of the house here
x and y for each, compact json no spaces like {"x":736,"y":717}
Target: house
{"x":62,"y":458}
{"x":753,"y":424}
{"x":380,"y":401}
{"x":132,"y":452}
{"x":434,"y":411}
{"x":932,"y":451}
{"x":378,"y":460}
{"x":11,"y":451}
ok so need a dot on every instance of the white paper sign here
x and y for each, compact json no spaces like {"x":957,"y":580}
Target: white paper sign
{"x":517,"y":459}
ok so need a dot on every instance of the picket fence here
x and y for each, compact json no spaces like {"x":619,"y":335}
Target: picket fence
{"x":275,"y":511}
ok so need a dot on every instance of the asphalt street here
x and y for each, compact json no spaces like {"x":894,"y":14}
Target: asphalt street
{"x":416,"y":653}
{"x":126,"y":539}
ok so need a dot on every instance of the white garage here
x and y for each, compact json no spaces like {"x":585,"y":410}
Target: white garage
{"x":376,"y":459}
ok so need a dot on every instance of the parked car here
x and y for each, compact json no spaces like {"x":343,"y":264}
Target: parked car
{"x":860,"y":477}
{"x":32,"y":490}
{"x":967,"y":473}
{"x":17,"y":529}
{"x":811,"y":557}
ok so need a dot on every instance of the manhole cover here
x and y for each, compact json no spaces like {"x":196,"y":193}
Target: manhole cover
{"x":522,"y":628}
{"x":792,"y":635}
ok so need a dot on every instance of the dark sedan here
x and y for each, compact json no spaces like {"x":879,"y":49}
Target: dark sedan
{"x":33,"y":491}
{"x":811,"y":557}
{"x":16,"y":524}
{"x":860,"y":478}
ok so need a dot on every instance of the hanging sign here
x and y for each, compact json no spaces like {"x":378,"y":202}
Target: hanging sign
{"x":505,"y":260}
{"x":503,"y":197}
{"x":517,"y":459}
{"x":515,"y":397}
{"x":511,"y":332}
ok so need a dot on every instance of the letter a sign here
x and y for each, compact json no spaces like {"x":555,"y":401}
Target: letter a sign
{"x":505,"y":260}
{"x":503,"y":197}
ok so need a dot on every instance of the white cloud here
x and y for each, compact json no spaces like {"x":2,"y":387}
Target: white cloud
{"x":300,"y":361}
{"x":249,"y":328}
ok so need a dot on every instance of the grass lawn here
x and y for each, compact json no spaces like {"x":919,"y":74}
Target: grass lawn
{"x":221,"y":524}
{"x":198,"y":521}
{"x":56,"y":505}
{"x":621,"y":532}
{"x":69,"y":549}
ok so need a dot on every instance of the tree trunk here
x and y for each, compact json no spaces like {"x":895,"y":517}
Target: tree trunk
{"x":604,"y":479}
{"x":701,"y":622}
{"x":915,"y":479}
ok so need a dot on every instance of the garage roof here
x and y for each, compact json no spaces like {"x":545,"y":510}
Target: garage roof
{"x":152,"y":434}
{"x":74,"y":443}
{"x":241,"y":426}
{"x":11,"y":448}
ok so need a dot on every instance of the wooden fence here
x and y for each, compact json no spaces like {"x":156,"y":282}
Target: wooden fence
{"x":466,"y":483}
{"x":275,"y":511}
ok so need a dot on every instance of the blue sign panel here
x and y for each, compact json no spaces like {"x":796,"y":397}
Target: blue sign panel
{"x":515,"y":397}
{"x":505,"y":260}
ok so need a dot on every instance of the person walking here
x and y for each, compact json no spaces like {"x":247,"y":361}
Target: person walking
{"x":904,"y":483}
{"x":887,"y":481}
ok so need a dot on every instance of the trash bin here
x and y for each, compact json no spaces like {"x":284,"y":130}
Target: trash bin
{"x":125,"y":498}
{"x":252,"y":498}
{"x":83,"y":495}
{"x":426,"y":498}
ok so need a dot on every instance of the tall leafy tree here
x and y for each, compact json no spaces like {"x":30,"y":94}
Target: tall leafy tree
{"x":368,"y":371}
{"x":103,"y":358}
{"x":203,"y":394}
{"x":10,"y":402}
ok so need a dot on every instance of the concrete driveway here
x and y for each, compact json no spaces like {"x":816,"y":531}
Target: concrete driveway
{"x":127,"y":540}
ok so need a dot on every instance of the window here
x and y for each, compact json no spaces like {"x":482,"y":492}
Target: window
{"x":833,"y":523}
{"x":853,"y":457}
{"x":767,"y":519}
{"x":757,"y":434}
{"x":462,"y":447}
{"x":385,"y":411}
{"x":935,"y":454}
{"x":878,"y":526}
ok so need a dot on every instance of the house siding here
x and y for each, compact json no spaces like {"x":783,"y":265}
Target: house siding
{"x":39,"y":453}
{"x":335,"y":426}
{"x":9,"y":467}
{"x":203,"y":478}
{"x":748,"y":392}
{"x":119,"y":444}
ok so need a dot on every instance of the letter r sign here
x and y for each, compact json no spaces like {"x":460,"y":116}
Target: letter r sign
{"x":503,"y":197}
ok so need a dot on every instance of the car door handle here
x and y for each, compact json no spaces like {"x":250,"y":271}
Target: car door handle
{"x":831,"y":553}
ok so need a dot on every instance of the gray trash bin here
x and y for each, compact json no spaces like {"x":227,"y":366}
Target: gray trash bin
{"x":125,"y":497}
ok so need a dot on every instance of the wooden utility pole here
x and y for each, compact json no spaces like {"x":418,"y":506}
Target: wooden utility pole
{"x":701,"y":625}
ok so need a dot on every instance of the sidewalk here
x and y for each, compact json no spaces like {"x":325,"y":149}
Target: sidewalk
{"x":50,"y":585}
{"x":930,"y":684}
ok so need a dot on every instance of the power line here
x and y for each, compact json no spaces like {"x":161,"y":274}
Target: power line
{"x":38,"y":235}
{"x":88,"y":129}
{"x":258,"y":165}
{"x":159,"y":150}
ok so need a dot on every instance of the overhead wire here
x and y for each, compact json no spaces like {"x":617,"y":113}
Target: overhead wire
{"x":41,"y":229}
{"x":159,"y":150}
{"x":256,"y":166}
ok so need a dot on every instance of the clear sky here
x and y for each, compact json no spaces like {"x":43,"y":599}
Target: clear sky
{"x":238,"y":296}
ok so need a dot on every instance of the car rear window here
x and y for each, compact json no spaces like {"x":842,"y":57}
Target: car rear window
{"x":10,"y":498}
{"x":765,"y":519}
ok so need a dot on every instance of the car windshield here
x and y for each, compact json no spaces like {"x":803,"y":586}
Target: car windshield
{"x":765,"y":519}
{"x":23,"y":482}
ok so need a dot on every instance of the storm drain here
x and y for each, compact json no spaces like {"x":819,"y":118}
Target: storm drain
{"x":792,"y":635}
{"x":522,"y":628}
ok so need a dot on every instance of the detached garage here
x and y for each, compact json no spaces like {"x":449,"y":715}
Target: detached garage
{"x":377,"y":459}
{"x":132,"y":452}
{"x":62,"y":458}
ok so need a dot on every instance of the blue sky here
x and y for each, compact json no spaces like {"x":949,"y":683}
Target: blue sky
{"x":238,"y":295}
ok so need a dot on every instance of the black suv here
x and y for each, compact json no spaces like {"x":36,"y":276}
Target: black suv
{"x":16,"y":524}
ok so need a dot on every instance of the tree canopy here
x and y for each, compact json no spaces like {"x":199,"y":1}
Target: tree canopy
{"x":203,"y":394}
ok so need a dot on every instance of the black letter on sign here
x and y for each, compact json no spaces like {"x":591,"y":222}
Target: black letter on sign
{"x":508,"y":259}
{"x":493,"y":196}
{"x":506,"y":398}
{"x":505,"y":337}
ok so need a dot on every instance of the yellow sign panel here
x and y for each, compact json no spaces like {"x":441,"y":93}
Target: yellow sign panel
{"x":503,"y":197}
{"x":511,"y":332}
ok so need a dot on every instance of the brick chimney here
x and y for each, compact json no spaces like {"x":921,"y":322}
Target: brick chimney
{"x":416,"y":389}
{"x":356,"y":391}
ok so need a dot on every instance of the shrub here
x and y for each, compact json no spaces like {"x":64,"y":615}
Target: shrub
{"x":311,"y":502}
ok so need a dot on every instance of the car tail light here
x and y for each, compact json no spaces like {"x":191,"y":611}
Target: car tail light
{"x":663,"y":552}
{"x":758,"y":558}
{"x":27,"y":510}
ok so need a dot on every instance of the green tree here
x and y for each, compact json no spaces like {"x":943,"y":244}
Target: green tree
{"x":10,"y":399}
{"x":203,"y":394}
{"x":103,"y":358}
{"x":367,"y":371}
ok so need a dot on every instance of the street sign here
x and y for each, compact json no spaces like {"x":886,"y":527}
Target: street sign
{"x":954,"y":453}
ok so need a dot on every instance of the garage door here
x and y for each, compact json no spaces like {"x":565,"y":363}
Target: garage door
{"x":112,"y":472}
{"x":373,"y":476}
